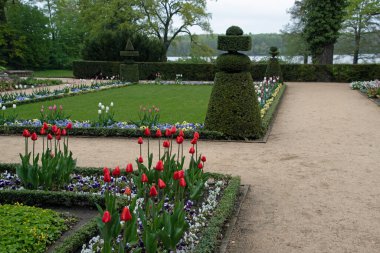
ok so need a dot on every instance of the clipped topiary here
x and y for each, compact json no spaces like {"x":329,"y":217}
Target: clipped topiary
{"x":233,"y":107}
{"x":273,"y":67}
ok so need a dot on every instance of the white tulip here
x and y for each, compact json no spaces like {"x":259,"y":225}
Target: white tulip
{"x":14,"y":106}
{"x":3,"y":108}
{"x":259,"y":98}
{"x":107,"y":108}
{"x":16,"y":86}
{"x":102,"y":107}
{"x":100,"y":104}
{"x":111,"y":104}
{"x":99,"y":111}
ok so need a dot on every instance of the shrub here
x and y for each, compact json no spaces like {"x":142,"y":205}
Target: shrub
{"x":233,"y":107}
{"x":273,"y":67}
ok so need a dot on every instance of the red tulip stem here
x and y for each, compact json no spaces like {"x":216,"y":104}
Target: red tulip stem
{"x":67,"y":139}
{"x":181,"y":150}
{"x":43,"y":144}
{"x":33,"y":149}
{"x":59,"y":145}
{"x":159,"y":148}
{"x":196,"y":150}
{"x":171,"y":145}
{"x":148,"y":148}
{"x":26,"y":146}
{"x":140,"y":149}
{"x":51,"y":145}
{"x":178,"y":152}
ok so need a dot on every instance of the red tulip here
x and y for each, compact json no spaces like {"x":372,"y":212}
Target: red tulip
{"x":129,"y":168}
{"x":196,"y":135}
{"x":140,"y":140}
{"x":178,"y":174}
{"x":194,"y":141}
{"x":69,"y":125}
{"x":58,"y":131}
{"x":26,"y":133}
{"x":200,"y":166}
{"x":181,"y":133}
{"x":147,"y":132}
{"x":116,"y":172}
{"x":34,"y":137}
{"x":58,"y":137}
{"x":64,"y":133}
{"x":107,"y":177}
{"x":182,"y":182}
{"x":153,"y":191}
{"x":106,"y":217}
{"x":192,"y":150}
{"x":168,"y":132}
{"x":42,"y":131}
{"x":54,"y":128}
{"x":158,"y":133}
{"x":144,"y":178}
{"x":45,"y":126}
{"x":166,"y":144}
{"x":203,"y":158}
{"x":49,"y":137}
{"x":161,"y":184}
{"x":159,"y":166}
{"x":173,"y":130}
{"x":179,"y":139}
{"x":141,"y":160}
{"x":125,"y":214}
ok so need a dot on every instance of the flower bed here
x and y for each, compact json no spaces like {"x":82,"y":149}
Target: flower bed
{"x":369,"y":88}
{"x":125,"y":129}
{"x":165,"y":207}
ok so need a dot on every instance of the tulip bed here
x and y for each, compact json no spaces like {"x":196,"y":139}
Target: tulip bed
{"x":269,"y":95}
{"x":169,"y":206}
{"x":370,"y":88}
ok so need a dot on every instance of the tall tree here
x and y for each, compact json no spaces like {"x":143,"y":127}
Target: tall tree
{"x":322,"y":22}
{"x":161,"y":14}
{"x":363,"y":16}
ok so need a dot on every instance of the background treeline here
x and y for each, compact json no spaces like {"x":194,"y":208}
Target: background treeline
{"x":287,"y":44}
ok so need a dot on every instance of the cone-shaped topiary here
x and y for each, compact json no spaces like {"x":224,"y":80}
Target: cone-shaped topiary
{"x":233,"y":107}
{"x":273,"y":67}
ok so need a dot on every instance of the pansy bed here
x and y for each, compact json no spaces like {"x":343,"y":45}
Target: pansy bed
{"x":142,"y":208}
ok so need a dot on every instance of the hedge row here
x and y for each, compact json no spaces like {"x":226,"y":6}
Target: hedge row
{"x":206,"y":71}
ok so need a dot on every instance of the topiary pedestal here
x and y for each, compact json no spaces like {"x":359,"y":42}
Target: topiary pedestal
{"x":233,"y":107}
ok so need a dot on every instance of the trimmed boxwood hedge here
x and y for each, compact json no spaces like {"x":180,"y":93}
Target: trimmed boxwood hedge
{"x":234,"y":43}
{"x":206,"y":71}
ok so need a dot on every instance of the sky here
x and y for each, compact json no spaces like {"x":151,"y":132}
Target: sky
{"x":253,"y":16}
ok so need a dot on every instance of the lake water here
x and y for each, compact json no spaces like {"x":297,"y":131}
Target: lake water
{"x":342,"y":59}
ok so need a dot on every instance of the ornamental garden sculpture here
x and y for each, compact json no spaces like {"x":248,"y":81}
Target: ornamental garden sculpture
{"x":233,"y":107}
{"x":129,"y":70}
{"x":273,"y":67}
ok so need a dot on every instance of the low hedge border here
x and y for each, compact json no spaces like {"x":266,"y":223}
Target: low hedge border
{"x":268,"y":117}
{"x":210,"y":237}
{"x":59,"y":96}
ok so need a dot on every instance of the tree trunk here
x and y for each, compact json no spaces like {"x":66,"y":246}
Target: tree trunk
{"x":357,"y":47}
{"x":305,"y":59}
{"x":326,"y":56}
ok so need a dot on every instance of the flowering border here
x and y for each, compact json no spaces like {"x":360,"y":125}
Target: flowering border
{"x":209,"y":239}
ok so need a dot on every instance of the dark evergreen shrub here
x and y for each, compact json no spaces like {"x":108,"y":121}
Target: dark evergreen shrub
{"x":273,"y":67}
{"x":234,"y":30}
{"x":233,"y":107}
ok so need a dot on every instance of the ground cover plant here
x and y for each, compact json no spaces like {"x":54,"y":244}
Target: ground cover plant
{"x":59,"y":73}
{"x":166,"y":206}
{"x":30,"y":229}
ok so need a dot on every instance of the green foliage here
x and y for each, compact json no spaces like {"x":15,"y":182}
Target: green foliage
{"x":53,"y":173}
{"x":148,"y":117}
{"x":322,"y":22}
{"x":28,"y":229}
{"x":233,"y":108}
{"x":12,"y":45}
{"x":269,"y":115}
{"x":95,"y":69}
{"x":106,"y":46}
{"x":234,"y":43}
{"x":273,"y":69}
{"x":129,"y":72}
{"x":53,"y":73}
{"x":234,"y":30}
{"x":32,"y":24}
{"x":233,"y":62}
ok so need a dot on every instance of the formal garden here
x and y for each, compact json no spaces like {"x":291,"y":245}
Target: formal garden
{"x":114,"y":82}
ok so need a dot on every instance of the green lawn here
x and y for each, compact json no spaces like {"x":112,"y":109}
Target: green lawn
{"x":177,"y":103}
{"x":53,"y":73}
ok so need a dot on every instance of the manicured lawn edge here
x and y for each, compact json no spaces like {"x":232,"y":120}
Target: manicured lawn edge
{"x":209,"y":240}
{"x":268,"y":117}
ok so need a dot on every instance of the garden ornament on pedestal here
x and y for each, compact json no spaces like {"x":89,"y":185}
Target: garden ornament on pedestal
{"x":233,"y":107}
{"x":129,"y":70}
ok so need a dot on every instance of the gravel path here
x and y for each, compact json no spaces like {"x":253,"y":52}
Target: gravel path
{"x":314,"y":184}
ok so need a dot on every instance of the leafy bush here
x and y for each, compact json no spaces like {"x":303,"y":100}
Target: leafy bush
{"x":28,"y":229}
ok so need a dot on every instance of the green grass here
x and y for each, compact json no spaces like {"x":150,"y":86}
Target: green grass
{"x":177,"y":103}
{"x":53,"y":73}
